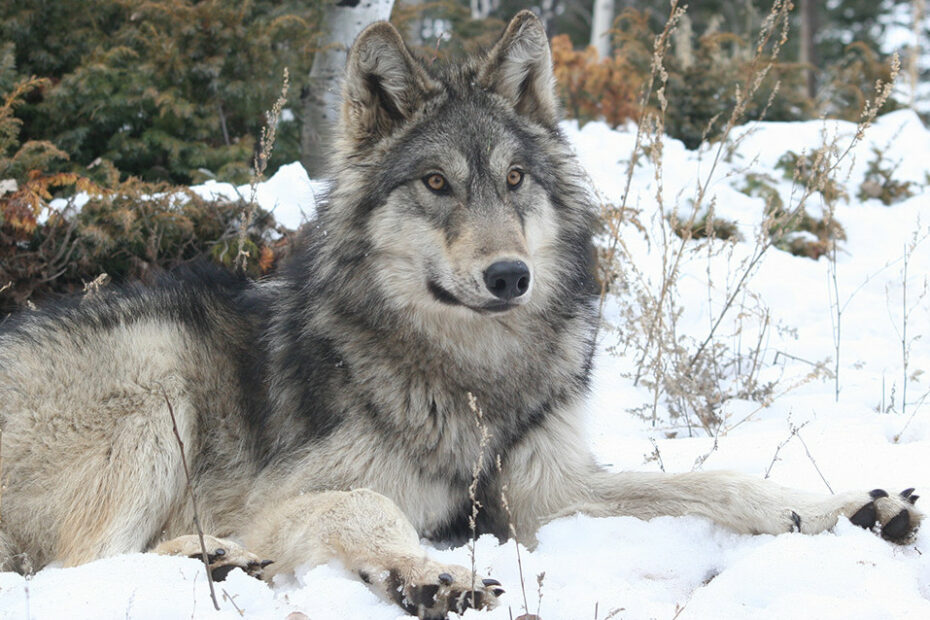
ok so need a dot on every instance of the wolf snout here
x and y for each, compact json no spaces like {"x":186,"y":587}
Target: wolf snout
{"x":507,"y":279}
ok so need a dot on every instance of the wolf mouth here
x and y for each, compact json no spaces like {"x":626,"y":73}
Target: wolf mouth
{"x":445,"y":297}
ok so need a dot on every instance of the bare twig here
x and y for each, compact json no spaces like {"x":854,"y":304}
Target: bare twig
{"x":702,"y":458}
{"x":906,"y":341}
{"x":539,"y":591}
{"x":190,"y":491}
{"x":917,"y":405}
{"x":513,"y":534}
{"x":655,"y":455}
{"x":229,"y":598}
{"x":905,"y":349}
{"x":793,"y":432}
{"x":259,"y":163}
{"x":814,"y":462}
{"x":660,"y":47}
{"x":473,"y":487}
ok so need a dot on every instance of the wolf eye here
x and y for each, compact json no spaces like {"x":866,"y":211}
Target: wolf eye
{"x":436,"y":182}
{"x":514,"y":178}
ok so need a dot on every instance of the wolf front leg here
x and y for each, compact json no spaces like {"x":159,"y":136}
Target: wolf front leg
{"x":222,"y":555}
{"x":369,"y":534}
{"x":552,"y":474}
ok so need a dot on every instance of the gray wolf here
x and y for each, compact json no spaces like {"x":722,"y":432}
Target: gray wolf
{"x":325,"y":412}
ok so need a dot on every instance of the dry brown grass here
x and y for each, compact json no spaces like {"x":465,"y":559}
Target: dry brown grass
{"x":692,"y":377}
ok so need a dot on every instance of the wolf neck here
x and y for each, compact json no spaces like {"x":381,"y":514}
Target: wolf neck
{"x":391,"y":374}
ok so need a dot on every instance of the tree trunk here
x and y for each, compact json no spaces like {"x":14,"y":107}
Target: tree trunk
{"x":919,"y":8}
{"x":415,"y":22}
{"x":343,"y":20}
{"x":602,"y":20}
{"x":808,"y":55}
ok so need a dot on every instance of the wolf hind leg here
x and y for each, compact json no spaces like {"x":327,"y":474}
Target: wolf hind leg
{"x":369,"y":534}
{"x":102,"y":482}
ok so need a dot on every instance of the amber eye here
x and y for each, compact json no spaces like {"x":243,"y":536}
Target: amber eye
{"x":436,"y":182}
{"x":514,"y":178}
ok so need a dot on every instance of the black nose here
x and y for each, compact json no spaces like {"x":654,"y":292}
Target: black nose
{"x":507,"y":279}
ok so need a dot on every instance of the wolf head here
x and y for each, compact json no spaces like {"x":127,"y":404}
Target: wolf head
{"x":453,"y":184}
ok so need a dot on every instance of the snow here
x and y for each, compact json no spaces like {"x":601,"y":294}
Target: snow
{"x":669,"y":567}
{"x":289,"y":194}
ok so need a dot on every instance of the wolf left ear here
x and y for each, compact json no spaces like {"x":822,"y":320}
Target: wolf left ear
{"x":519,"y":68}
{"x":384,"y":84}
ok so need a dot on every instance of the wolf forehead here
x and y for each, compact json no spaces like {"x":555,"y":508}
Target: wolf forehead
{"x":468,"y":132}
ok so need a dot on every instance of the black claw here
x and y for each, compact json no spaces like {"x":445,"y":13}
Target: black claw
{"x":913,"y":499}
{"x":865,"y":516}
{"x":445,"y":579}
{"x":879,"y":493}
{"x":256,"y":566}
{"x":797,"y":520}
{"x":490,"y":582}
{"x":899,"y":526}
{"x":907,"y":492}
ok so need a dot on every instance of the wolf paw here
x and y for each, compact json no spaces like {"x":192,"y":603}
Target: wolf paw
{"x":222,"y":555}
{"x":432,"y":598}
{"x":893,"y":516}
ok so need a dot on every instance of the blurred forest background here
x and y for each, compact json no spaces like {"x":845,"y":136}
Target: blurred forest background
{"x":132,"y":100}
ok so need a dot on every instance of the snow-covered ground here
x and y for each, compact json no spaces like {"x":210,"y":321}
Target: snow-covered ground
{"x":671,"y":567}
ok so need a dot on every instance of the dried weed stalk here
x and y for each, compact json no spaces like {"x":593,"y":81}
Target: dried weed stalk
{"x":473,"y":487}
{"x":614,"y":216}
{"x":259,"y":164}
{"x":695,"y":377}
{"x":793,"y":432}
{"x":906,"y":337}
{"x":827,"y":170}
{"x":190,"y":491}
{"x":513,"y":534}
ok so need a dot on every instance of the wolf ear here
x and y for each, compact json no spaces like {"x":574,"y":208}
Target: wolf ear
{"x":519,"y":68}
{"x":384,"y":85}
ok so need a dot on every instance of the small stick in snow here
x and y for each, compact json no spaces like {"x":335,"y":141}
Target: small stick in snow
{"x":513,"y":534}
{"x":801,"y":439}
{"x":190,"y":490}
{"x":794,"y":431}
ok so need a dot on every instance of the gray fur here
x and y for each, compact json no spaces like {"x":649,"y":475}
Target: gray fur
{"x":325,"y":412}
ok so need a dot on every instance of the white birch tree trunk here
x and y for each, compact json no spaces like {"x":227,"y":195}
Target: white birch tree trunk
{"x":601,"y":22}
{"x":919,"y":8}
{"x":480,"y":9}
{"x":343,"y":20}
{"x":807,"y":54}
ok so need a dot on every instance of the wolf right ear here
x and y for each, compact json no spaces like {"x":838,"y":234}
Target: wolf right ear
{"x":384,"y":85}
{"x":519,"y":68}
